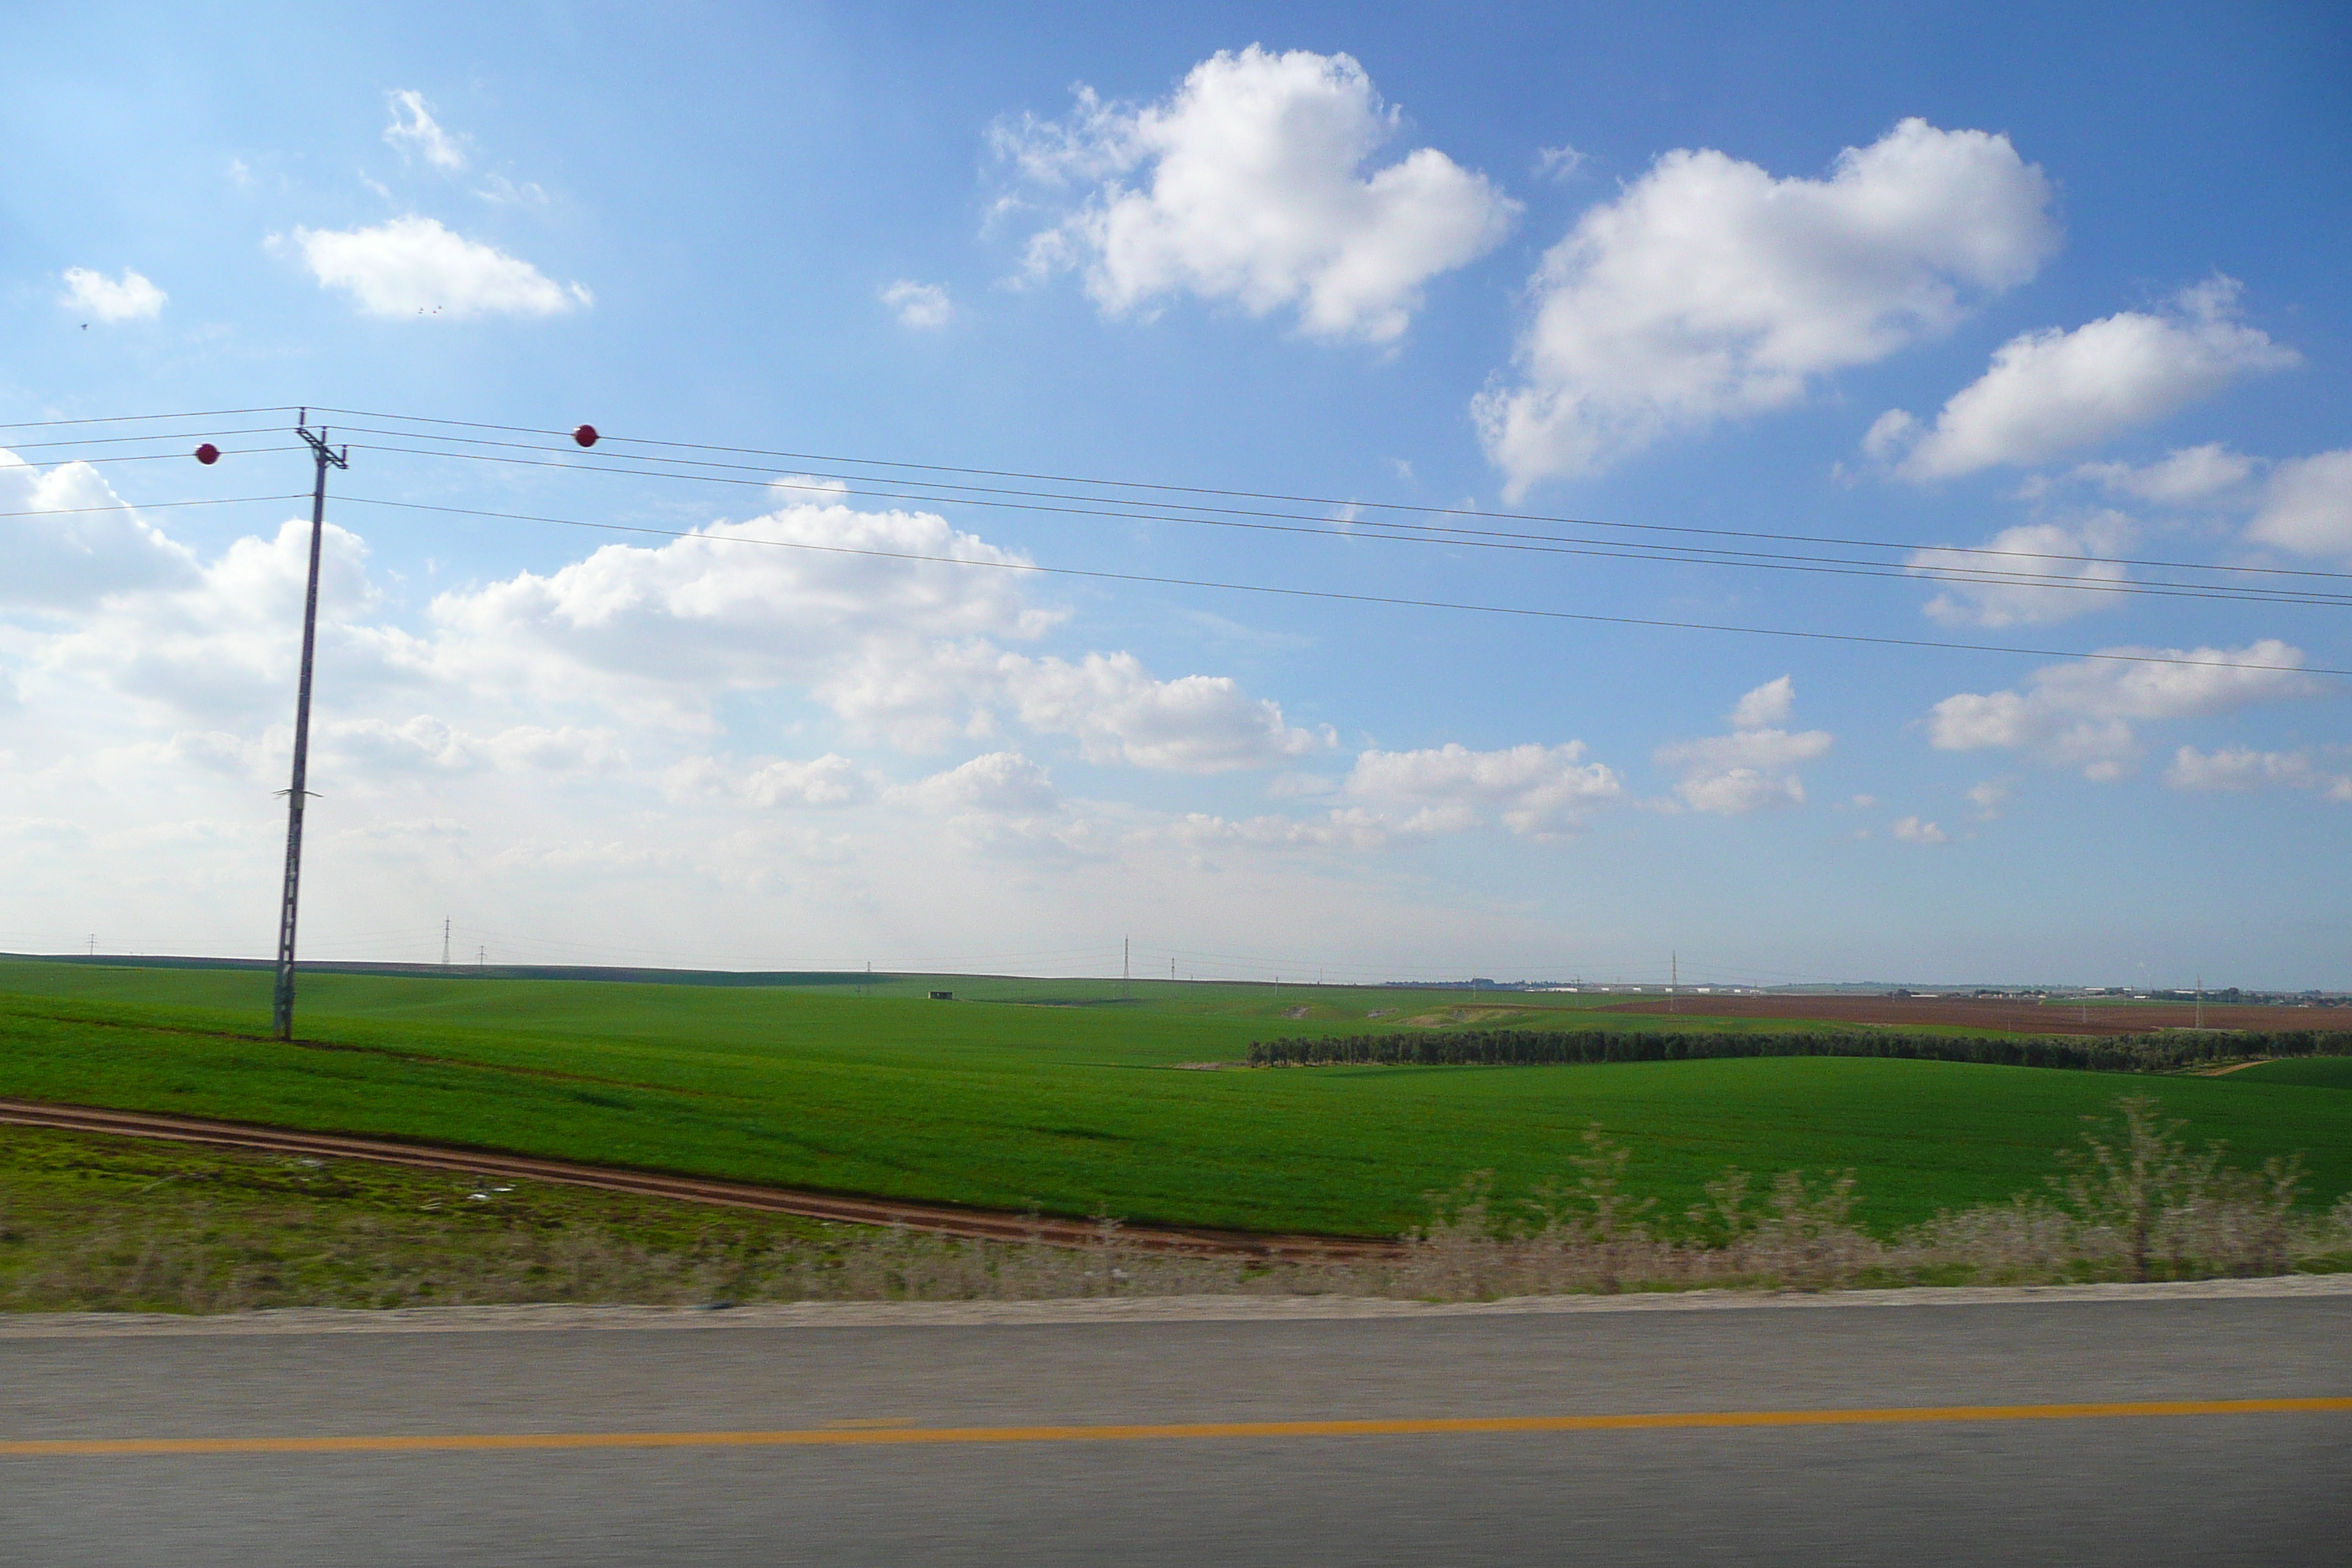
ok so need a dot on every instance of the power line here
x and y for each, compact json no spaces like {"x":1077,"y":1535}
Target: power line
{"x":1979,"y":576}
{"x":152,"y":505}
{"x":1936,"y":568}
{"x":1338,"y":596}
{"x":1180,"y":490}
{"x":143,"y":436}
{"x":135,"y":419}
{"x":1302,"y":499}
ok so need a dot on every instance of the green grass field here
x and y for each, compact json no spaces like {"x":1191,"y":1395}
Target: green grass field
{"x":2311,"y":1072}
{"x":1052,"y":1094}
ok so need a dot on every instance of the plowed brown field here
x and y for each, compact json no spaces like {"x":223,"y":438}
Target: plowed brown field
{"x":2005,"y":1015}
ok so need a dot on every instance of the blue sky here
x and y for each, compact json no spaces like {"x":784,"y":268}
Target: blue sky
{"x":2064,"y":283}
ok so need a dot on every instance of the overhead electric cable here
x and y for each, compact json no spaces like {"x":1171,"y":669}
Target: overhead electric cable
{"x":1328,"y":501}
{"x":146,"y":435}
{"x":1338,"y":596}
{"x":134,"y":418}
{"x":1983,"y":576}
{"x":152,"y":505}
{"x":181,"y":457}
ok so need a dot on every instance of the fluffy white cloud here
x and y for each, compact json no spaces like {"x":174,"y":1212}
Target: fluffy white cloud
{"x":1985,"y":599}
{"x":79,"y":544}
{"x":909,"y":649}
{"x":1119,"y":712}
{"x":414,"y":129}
{"x":1561,"y":163}
{"x":2050,"y":391}
{"x":412,"y":265}
{"x":1710,"y":290}
{"x":2185,"y":477}
{"x":1256,"y":187}
{"x":828,"y":781}
{"x":1534,"y":790}
{"x":130,"y":297}
{"x":424,"y":743}
{"x":1912,"y":830}
{"x":921,"y":306}
{"x":668,"y":630}
{"x":1755,"y":765}
{"x":1988,"y":796}
{"x":2080,"y":714}
{"x":218,"y":643}
{"x":2307,"y":506}
{"x":823,"y":784}
{"x":2242,"y":768}
{"x":999,"y":783}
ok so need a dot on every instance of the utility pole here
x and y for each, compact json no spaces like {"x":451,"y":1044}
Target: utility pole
{"x":1673,"y":982}
{"x":325,"y":457}
{"x":445,"y":944}
{"x":1126,"y":966}
{"x":2200,"y":1000}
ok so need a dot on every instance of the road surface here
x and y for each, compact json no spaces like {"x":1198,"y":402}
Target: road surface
{"x":2071,"y":1431}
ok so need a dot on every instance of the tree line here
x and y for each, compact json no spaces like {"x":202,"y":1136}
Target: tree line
{"x":1546,"y":1048}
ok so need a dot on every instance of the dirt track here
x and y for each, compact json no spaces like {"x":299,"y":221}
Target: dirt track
{"x":2005,"y":1014}
{"x":940,"y":1219}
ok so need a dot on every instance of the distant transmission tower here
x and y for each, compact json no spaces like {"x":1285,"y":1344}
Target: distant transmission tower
{"x":445,"y":944}
{"x":282,"y":1002}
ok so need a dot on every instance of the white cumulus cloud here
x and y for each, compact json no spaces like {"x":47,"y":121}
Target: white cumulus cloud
{"x":2184,"y":476}
{"x":1533,"y":790}
{"x":1710,"y":290}
{"x":2051,"y":391}
{"x":828,"y":781}
{"x":1119,"y":713}
{"x":414,"y":129}
{"x":1988,"y":589}
{"x":2242,"y":768}
{"x":130,"y":297}
{"x":1255,"y":182}
{"x":2307,"y":506}
{"x":918,"y":305}
{"x":1755,"y":765}
{"x":412,"y":265}
{"x":80,"y":544}
{"x":1912,"y":830}
{"x":2082,"y":713}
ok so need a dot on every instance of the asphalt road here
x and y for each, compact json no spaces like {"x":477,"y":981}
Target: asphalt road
{"x":1033,"y":1480}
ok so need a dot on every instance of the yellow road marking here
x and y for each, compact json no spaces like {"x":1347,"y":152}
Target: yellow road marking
{"x":840,"y":1437}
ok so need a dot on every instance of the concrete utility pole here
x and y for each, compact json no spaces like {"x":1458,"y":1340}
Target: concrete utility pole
{"x":445,"y":944}
{"x":325,"y":457}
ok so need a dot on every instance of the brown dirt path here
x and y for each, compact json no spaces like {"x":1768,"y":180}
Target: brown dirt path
{"x":939,"y":1219}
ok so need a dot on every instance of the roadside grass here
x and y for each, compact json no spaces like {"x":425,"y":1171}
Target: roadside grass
{"x":1065,"y":1109}
{"x":98,"y":1223}
{"x":94,"y":1223}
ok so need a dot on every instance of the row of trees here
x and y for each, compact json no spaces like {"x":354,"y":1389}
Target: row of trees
{"x":1537,"y":1048}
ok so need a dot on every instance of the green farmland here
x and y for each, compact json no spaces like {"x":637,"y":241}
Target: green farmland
{"x":1060,"y":1096}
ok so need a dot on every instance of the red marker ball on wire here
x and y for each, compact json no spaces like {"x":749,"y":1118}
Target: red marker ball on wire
{"x":585,"y":435}
{"x":208,"y":454}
